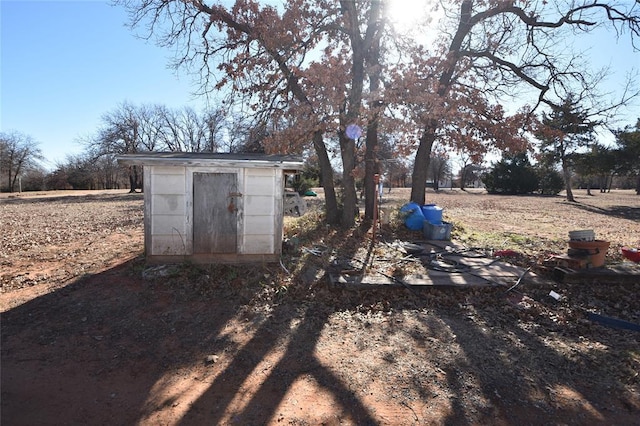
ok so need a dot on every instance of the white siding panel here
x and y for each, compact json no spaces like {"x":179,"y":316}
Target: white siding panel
{"x":258,"y":244}
{"x":168,"y":204}
{"x":258,"y":205}
{"x":168,"y":225}
{"x":261,"y":172}
{"x":260,"y":184}
{"x":167,"y":170}
{"x":167,"y":245}
{"x":258,"y":225}
{"x":168,"y":184}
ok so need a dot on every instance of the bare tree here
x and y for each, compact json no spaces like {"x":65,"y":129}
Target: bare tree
{"x":17,"y":153}
{"x":214,"y":120}
{"x":324,"y":66}
{"x":470,"y":173}
{"x":263,"y":54}
{"x":84,"y":171}
{"x":129,"y":129}
{"x":124,"y":132}
{"x":185,"y":130}
{"x":439,"y":168}
{"x":498,"y":47}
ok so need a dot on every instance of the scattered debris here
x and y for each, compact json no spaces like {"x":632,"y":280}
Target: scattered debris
{"x":519,"y":279}
{"x":506,"y":253}
{"x":158,"y":271}
{"x":452,"y":265}
{"x":411,"y":248}
{"x":555,"y":295}
{"x":211,"y":359}
{"x":294,"y":204}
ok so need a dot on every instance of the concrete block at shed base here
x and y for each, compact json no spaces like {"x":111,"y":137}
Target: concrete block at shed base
{"x":440,"y":231}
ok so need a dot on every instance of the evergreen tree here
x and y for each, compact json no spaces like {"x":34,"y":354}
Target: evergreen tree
{"x":566,"y":130}
{"x":629,"y":152}
{"x":550,"y":181}
{"x":513,"y":174}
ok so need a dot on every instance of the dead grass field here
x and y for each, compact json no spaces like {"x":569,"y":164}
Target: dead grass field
{"x":93,"y":335}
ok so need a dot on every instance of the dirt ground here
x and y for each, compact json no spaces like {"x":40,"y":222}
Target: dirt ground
{"x":91,"y":334}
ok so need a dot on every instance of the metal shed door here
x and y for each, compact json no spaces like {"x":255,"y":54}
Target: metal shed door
{"x":215,"y":217}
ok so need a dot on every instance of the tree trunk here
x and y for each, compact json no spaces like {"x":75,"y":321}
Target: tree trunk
{"x":363,"y":49}
{"x":463,"y":177}
{"x":12,"y":181}
{"x":419,"y":175}
{"x":133,"y":178}
{"x":429,"y":136}
{"x":16,"y":166}
{"x":610,"y":183}
{"x":140,"y":175}
{"x":638,"y":185}
{"x":566,"y":173}
{"x":371,"y":164}
{"x":349,"y":193}
{"x":326,"y":179}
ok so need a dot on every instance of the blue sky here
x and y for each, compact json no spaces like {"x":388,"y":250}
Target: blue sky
{"x":64,"y":64}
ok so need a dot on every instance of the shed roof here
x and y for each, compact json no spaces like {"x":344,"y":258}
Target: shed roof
{"x":287,"y":162}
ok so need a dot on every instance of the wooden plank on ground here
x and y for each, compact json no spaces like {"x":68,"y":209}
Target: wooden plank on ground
{"x":450,"y":270}
{"x":622,"y":273}
{"x":431,"y":279}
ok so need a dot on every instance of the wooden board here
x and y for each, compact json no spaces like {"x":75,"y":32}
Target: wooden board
{"x":614,"y":274}
{"x":215,"y":213}
{"x":434,"y":279}
{"x":466,"y":272}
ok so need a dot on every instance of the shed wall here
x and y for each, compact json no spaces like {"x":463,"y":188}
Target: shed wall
{"x":169,"y":210}
{"x":262,"y":196}
{"x":167,"y":200}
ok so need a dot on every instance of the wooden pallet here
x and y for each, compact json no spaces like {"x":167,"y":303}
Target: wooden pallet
{"x":617,"y":274}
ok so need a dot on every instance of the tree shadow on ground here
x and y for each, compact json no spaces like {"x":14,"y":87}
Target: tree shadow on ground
{"x":490,"y":364}
{"x":566,"y":388}
{"x":94,"y":351}
{"x":622,"y":212}
{"x":91,"y":352}
{"x":102,"y":350}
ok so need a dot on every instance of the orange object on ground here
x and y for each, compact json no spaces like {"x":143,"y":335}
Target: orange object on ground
{"x":596,"y":250}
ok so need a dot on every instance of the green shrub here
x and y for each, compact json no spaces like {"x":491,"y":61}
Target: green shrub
{"x":513,"y":174}
{"x":550,"y":181}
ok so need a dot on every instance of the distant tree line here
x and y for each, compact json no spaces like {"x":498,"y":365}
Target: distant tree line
{"x":126,"y":129}
{"x":133,"y":129}
{"x":568,"y":160}
{"x":19,"y":156}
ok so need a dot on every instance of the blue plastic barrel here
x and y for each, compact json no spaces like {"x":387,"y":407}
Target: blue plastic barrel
{"x":414,"y":218}
{"x":432,"y":214}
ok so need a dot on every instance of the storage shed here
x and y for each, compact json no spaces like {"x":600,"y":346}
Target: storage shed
{"x":213,"y":207}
